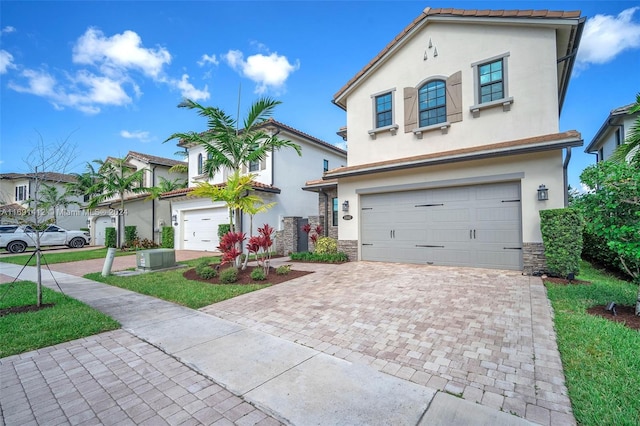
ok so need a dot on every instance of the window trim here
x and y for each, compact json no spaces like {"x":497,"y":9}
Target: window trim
{"x":199,"y":164}
{"x":325,"y":165}
{"x":393,"y":127}
{"x":24,"y":194}
{"x":434,"y":79}
{"x":506,"y":100}
{"x":252,"y":163}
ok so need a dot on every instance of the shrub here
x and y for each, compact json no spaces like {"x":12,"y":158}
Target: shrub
{"x":110,"y":237}
{"x":168,"y":237}
{"x":283,"y":270}
{"x":306,"y":256}
{"x":562,"y":237}
{"x":207,"y":272}
{"x":229,"y":275}
{"x":130,"y":234}
{"x":145,"y":243}
{"x":326,"y":245}
{"x":258,"y":274}
{"x":596,"y":250}
{"x":202,"y":264}
{"x":223,"y":229}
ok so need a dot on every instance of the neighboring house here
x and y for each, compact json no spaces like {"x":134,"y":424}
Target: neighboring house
{"x":17,"y":190}
{"x":149,"y":216}
{"x":279,"y":179}
{"x":612,"y":133}
{"x":453,"y":128}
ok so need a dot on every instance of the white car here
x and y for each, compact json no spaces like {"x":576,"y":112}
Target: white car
{"x":17,"y":238}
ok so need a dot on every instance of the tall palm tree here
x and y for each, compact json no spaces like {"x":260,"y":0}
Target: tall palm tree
{"x":51,"y":199}
{"x":84,"y":185}
{"x":630,"y":150}
{"x":117,"y":178}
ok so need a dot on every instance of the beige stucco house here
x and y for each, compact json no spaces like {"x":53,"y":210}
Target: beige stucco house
{"x":149,"y":216}
{"x":452,"y":130}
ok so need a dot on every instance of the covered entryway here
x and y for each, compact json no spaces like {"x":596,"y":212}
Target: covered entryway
{"x":101,"y":224}
{"x":200,"y":230}
{"x":477,"y":226}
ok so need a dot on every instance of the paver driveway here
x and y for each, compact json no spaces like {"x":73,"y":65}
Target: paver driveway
{"x":486,"y":335}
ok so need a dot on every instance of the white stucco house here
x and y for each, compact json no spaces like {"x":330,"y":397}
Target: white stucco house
{"x":279,"y":179}
{"x":612,"y":133}
{"x":17,"y":190}
{"x":149,"y":216}
{"x":453,"y":129}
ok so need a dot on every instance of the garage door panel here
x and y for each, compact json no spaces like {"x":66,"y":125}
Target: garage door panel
{"x":200,"y":230}
{"x":464,"y":226}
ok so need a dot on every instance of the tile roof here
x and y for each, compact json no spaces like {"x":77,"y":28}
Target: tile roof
{"x":48,"y":176}
{"x":612,"y":120}
{"x":552,"y":141}
{"x":258,"y":186}
{"x":152,"y":159}
{"x":450,"y":12}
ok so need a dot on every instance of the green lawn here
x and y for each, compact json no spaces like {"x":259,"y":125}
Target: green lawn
{"x":61,"y":256}
{"x":601,"y":359}
{"x":172,"y":286}
{"x":67,"y":320}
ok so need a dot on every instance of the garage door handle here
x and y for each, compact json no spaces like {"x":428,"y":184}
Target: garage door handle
{"x":474,"y":234}
{"x":194,"y":233}
{"x":420,"y":245}
{"x":512,"y":248}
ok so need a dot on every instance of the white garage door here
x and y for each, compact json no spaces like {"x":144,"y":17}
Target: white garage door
{"x":201,"y":228}
{"x":478,"y":226}
{"x":101,"y":225}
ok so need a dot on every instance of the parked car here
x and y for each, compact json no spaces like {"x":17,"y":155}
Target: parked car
{"x":16,"y":238}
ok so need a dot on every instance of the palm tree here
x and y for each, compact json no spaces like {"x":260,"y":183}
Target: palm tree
{"x":52,"y":199}
{"x":85,"y":183}
{"x":117,"y":178}
{"x":165,"y":185}
{"x":630,"y":149}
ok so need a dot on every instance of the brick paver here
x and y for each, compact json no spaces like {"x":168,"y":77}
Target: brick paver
{"x":114,"y":378}
{"x":483,"y":334}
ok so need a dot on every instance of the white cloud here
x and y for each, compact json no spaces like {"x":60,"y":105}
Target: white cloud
{"x":142,"y":136}
{"x":119,"y":53}
{"x":86,"y":92}
{"x":606,"y":36}
{"x":267,"y":71}
{"x":189,"y":91}
{"x":8,"y":29}
{"x":6,"y":61}
{"x":208,"y":59}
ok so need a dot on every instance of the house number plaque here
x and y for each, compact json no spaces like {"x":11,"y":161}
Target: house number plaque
{"x":347,"y":217}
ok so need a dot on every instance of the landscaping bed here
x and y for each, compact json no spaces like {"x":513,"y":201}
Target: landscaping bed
{"x":244,"y":277}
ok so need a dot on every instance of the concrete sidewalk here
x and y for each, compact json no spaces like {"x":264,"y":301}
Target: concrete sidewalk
{"x":293,"y":383}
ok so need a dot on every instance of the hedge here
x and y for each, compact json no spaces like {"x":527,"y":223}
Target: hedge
{"x":110,"y":237}
{"x":130,"y":234}
{"x":223,"y":229}
{"x":167,"y":237}
{"x":562,"y":237}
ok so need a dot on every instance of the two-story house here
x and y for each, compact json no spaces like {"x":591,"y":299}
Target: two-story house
{"x":278,"y":179}
{"x":147,"y":215}
{"x":19,"y":190}
{"x":612,"y":133}
{"x":454,"y":140}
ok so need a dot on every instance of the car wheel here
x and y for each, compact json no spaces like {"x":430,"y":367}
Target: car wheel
{"x":16,"y":247}
{"x":76,"y":243}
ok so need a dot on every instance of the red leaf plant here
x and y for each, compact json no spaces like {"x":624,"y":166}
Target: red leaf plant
{"x":260,"y":245}
{"x":229,"y":246}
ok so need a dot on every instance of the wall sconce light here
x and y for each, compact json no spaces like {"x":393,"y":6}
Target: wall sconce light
{"x":543,"y":193}
{"x":88,"y":222}
{"x":113,"y":219}
{"x":345,"y":206}
{"x":174,"y":219}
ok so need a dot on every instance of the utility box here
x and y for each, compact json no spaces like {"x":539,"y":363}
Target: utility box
{"x":154,"y":259}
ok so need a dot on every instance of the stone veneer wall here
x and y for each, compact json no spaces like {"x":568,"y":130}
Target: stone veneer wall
{"x":350,"y":247}
{"x":290,"y":234}
{"x":314,"y":221}
{"x":331,"y":231}
{"x":533,"y":258}
{"x":278,"y":237}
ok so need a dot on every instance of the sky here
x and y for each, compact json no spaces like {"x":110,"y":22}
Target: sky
{"x":106,"y":77}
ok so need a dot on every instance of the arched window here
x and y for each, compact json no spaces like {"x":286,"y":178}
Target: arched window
{"x":432,"y":103}
{"x":199,"y":164}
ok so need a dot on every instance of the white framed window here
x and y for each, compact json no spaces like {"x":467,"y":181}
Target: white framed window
{"x":22,"y":193}
{"x":199,"y":164}
{"x":325,"y":165}
{"x":254,"y":166}
{"x":383,"y":113}
{"x":491,"y":84}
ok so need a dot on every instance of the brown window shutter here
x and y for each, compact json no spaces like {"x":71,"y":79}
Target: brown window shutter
{"x":410,"y":109}
{"x":454,"y":97}
{"x":263,"y":163}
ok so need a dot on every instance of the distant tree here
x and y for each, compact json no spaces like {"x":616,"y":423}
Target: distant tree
{"x":52,"y":199}
{"x":116,"y":178}
{"x":630,"y":150}
{"x":84,"y":184}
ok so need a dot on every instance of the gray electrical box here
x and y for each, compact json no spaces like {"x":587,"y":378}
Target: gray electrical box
{"x":150,"y":260}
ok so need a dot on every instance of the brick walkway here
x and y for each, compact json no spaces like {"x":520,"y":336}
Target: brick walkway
{"x":114,"y":378}
{"x":485,"y":335}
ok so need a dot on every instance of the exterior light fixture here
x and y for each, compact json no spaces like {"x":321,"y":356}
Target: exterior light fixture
{"x":88,"y":222}
{"x":174,"y":219}
{"x":543,"y":193}
{"x":611,"y":307}
{"x":345,"y":206}
{"x":113,"y":219}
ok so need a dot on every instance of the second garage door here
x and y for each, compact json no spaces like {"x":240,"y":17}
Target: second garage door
{"x":201,"y":228}
{"x":478,"y":226}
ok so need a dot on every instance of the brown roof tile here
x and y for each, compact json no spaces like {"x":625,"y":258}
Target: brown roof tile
{"x":185,"y":191}
{"x":155,"y":159}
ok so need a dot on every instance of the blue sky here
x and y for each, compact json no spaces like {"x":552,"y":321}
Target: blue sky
{"x":107,"y":76}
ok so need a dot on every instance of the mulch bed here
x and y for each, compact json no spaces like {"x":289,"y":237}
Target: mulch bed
{"x":626,"y":315}
{"x":244,"y":276}
{"x":27,"y":308}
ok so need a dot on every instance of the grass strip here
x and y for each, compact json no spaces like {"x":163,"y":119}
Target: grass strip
{"x":67,"y":320}
{"x":173,"y":287}
{"x":601,"y":359}
{"x":52,"y":257}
